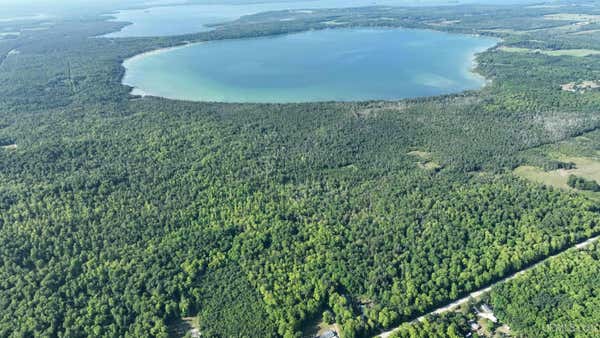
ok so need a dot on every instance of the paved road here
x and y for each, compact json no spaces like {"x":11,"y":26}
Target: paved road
{"x":478,"y":293}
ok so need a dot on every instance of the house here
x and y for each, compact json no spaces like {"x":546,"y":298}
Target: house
{"x":486,"y":312}
{"x":329,"y":334}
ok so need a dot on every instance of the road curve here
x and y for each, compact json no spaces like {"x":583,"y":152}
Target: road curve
{"x":478,"y":293}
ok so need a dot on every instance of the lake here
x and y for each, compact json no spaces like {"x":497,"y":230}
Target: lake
{"x":177,"y":20}
{"x":335,"y":64}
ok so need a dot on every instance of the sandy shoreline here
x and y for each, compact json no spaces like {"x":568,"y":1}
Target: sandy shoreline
{"x":136,"y":91}
{"x":159,"y":51}
{"x":474,"y":64}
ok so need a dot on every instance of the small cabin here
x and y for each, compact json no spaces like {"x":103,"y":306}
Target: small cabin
{"x":329,"y":334}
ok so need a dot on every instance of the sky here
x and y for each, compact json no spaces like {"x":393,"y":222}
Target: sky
{"x":62,"y":7}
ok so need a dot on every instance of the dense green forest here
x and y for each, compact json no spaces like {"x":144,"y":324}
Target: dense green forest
{"x":451,"y":325}
{"x":557,"y":299}
{"x":581,"y":183}
{"x":120,"y":215}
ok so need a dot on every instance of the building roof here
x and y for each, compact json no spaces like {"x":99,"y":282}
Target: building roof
{"x":329,"y":334}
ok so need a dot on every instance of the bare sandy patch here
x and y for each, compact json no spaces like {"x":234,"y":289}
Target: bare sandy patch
{"x":444,"y":23}
{"x":580,"y":87}
{"x":424,"y":155}
{"x":335,"y":23}
{"x":504,"y":31}
{"x":373,"y":109}
{"x":10,"y":147}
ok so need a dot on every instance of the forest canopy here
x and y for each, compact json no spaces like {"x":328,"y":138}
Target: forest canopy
{"x":121,"y":215}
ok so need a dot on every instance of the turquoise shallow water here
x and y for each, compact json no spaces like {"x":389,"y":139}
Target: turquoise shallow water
{"x":336,"y":64}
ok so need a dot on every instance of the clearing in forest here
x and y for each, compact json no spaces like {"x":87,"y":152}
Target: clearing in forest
{"x":580,"y":87}
{"x":186,"y":327}
{"x":425,"y":160}
{"x":573,"y":17}
{"x":578,"y":156}
{"x":587,"y":168}
{"x":558,"y":52}
{"x":318,"y":327}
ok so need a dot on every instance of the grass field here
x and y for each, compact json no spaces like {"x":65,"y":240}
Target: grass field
{"x":555,"y":178}
{"x":425,"y":160}
{"x":573,"y":17}
{"x":583,"y":151}
{"x":423,"y":155}
{"x":587,"y":168}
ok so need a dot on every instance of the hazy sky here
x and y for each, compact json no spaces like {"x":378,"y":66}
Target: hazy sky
{"x":58,"y":7}
{"x":11,"y":8}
